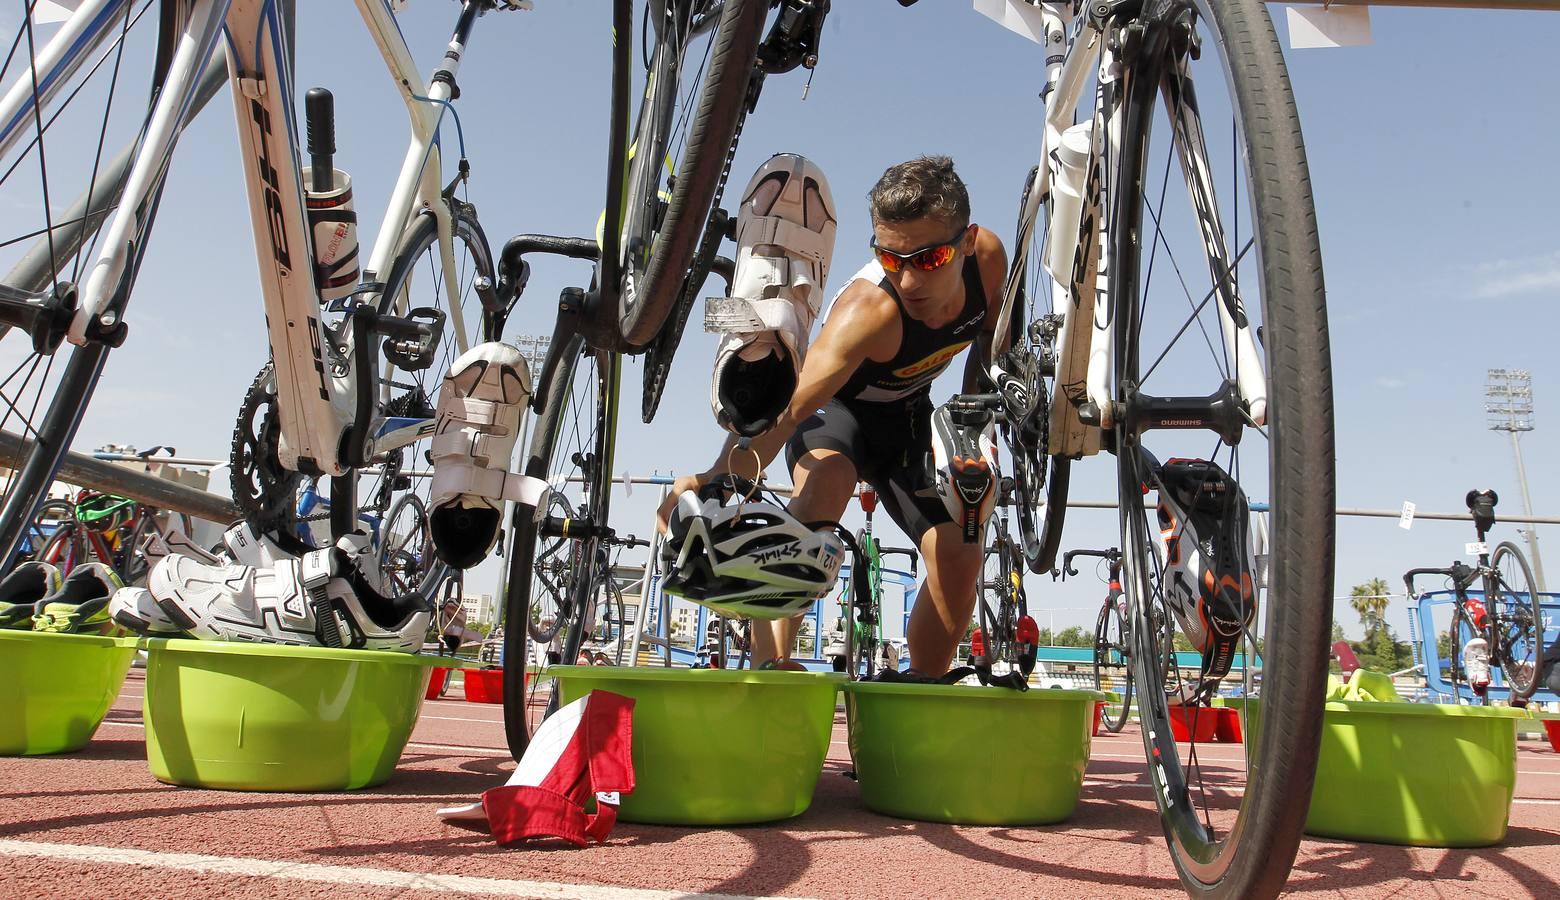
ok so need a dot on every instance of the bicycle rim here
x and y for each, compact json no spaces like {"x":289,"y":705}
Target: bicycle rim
{"x":1518,"y":620}
{"x":1454,"y":672}
{"x":551,"y":573}
{"x":1233,"y":238}
{"x":1040,"y":481}
{"x":680,"y":150}
{"x":420,"y":277}
{"x":405,"y":548}
{"x":63,"y":158}
{"x":1112,"y":664}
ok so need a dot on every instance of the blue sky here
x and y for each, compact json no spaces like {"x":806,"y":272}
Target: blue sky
{"x":1433,"y":185}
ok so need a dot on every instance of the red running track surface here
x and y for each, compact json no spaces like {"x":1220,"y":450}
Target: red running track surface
{"x":96,"y":824}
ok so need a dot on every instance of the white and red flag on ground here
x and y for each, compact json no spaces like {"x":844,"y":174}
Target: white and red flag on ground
{"x":580,"y":753}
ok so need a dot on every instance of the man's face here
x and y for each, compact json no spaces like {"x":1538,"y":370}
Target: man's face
{"x":925,"y":294}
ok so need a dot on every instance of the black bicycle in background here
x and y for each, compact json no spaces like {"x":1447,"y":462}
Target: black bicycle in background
{"x":1112,"y":636}
{"x":1505,"y":627}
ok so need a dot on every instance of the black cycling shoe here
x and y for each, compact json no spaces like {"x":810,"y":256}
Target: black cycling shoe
{"x":911,"y":676}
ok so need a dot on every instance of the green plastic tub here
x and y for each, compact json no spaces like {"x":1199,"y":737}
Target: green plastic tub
{"x":717,"y":747}
{"x":1419,"y":774}
{"x":968,"y":755}
{"x":261,"y":717}
{"x":56,"y":688}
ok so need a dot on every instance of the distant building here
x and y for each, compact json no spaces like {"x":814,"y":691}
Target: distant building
{"x":480,"y":609}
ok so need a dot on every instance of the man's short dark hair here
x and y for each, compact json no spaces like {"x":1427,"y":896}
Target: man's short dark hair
{"x":918,"y":189}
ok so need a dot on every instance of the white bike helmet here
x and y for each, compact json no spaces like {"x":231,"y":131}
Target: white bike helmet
{"x":964,"y":459}
{"x":751,"y":559}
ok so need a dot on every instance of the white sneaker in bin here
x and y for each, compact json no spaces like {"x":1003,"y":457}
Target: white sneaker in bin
{"x":134,"y":609}
{"x":312,"y":601}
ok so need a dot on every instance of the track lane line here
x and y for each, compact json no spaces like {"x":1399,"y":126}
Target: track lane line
{"x":344,"y":875}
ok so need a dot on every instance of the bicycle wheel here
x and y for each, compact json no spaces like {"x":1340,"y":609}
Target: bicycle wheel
{"x":69,"y":134}
{"x":1517,"y":620}
{"x":72,"y":546}
{"x":51,"y":516}
{"x":551,"y":562}
{"x":1040,"y":481}
{"x":405,"y":555}
{"x":421,"y":278}
{"x":1113,"y":663}
{"x":864,"y":617}
{"x":1227,"y":441}
{"x":1455,"y":674}
{"x":991,"y":609}
{"x":695,"y":87}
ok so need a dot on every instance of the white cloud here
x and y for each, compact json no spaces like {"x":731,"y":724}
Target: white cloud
{"x":1390,"y":382}
{"x":1510,"y":277}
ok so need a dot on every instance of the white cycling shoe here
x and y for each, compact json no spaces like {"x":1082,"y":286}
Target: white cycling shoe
{"x":785,"y":241}
{"x":311,"y":601}
{"x":482,"y":409}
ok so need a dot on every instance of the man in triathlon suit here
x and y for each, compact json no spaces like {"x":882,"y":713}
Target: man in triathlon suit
{"x":861,"y":409}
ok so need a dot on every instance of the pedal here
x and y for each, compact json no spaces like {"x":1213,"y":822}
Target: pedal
{"x":410,"y":342}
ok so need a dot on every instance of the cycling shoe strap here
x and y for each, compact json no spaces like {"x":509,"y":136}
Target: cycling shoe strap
{"x":1012,"y":680}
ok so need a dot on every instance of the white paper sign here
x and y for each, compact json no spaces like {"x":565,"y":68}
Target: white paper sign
{"x":1337,"y":26}
{"x":1016,"y":16}
{"x":1406,"y":520}
{"x":1475,"y":548}
{"x":47,"y":12}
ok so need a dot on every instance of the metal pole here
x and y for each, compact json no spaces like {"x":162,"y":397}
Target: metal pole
{"x":84,"y":471}
{"x":1527,"y":508}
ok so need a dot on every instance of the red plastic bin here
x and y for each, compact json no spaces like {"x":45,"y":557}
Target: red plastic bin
{"x":1204,"y":718}
{"x":1099,"y":712}
{"x":1228,"y":729}
{"x":1552,"y":728}
{"x":437,"y":681}
{"x":485,"y":685}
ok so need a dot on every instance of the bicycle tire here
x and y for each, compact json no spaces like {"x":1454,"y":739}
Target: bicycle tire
{"x":649,"y":286}
{"x":1104,"y":645}
{"x":1035,"y":472}
{"x":554,"y":449}
{"x":132,"y":566}
{"x":62,"y":246}
{"x":51,"y":515}
{"x":474,"y":257}
{"x":1250,"y":852}
{"x":71,"y":546}
{"x":1455,"y":674}
{"x":1516,"y":621}
{"x":405,"y":561}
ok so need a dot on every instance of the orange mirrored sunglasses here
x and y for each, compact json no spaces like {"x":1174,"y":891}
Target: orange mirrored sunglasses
{"x":928,"y":259}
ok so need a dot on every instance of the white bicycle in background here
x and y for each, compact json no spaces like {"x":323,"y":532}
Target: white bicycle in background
{"x":359,"y":347}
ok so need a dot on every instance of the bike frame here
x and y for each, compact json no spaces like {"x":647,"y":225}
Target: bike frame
{"x":316,"y":370}
{"x":1084,"y":361}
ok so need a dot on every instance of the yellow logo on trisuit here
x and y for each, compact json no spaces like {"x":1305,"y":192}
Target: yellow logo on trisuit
{"x":935,"y":361}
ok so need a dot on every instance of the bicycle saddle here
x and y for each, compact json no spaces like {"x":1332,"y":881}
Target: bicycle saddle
{"x":1482,"y":505}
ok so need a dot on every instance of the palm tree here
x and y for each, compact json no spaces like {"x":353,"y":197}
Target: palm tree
{"x":1370,"y":602}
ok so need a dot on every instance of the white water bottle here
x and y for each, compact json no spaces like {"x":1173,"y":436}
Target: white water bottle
{"x":1476,"y":663}
{"x":1068,"y":166}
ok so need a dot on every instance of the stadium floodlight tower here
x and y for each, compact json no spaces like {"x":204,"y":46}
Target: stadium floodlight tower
{"x":1508,"y":405}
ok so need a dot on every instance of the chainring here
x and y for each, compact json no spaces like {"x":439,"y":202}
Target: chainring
{"x":264,"y":490}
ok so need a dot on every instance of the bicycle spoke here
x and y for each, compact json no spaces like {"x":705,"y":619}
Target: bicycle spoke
{"x":1196,"y":313}
{"x":1160,"y":241}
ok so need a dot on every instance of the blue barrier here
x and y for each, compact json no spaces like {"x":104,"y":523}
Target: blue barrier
{"x":1430,"y":651}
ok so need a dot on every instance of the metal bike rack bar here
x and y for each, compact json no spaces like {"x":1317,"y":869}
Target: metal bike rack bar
{"x":80,"y":469}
